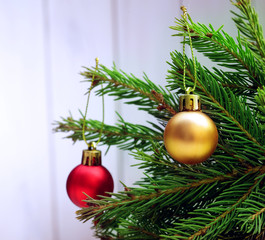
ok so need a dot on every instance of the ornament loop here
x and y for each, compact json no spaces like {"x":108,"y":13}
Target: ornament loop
{"x":189,"y":90}
{"x":92,"y":146}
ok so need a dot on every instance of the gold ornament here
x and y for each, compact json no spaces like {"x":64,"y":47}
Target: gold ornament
{"x":190,"y":136}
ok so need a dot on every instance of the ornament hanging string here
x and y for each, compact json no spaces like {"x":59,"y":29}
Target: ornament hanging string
{"x":103,"y":109}
{"x":188,"y":90}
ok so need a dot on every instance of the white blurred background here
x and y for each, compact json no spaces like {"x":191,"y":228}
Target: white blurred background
{"x":43,"y":46}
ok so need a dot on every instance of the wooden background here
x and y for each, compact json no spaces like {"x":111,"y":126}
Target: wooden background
{"x":43,"y":46}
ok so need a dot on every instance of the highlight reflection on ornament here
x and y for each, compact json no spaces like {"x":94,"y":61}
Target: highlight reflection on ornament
{"x":190,"y":136}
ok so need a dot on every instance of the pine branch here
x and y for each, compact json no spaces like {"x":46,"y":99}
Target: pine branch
{"x":143,"y":93}
{"x":251,"y":214}
{"x":237,"y":83}
{"x":132,"y":196}
{"x":125,"y":135}
{"x":247,"y":23}
{"x":151,"y":194}
{"x":204,"y":230}
{"x":259,"y":236}
{"x":222,"y":49}
{"x":219,"y":216}
{"x":160,"y":164}
{"x":134,"y":230}
{"x":260,"y":100}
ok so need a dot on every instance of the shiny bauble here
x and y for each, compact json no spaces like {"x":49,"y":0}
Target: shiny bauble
{"x":91,"y":180}
{"x":190,"y":137}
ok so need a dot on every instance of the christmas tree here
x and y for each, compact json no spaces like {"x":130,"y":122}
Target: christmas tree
{"x":220,"y":198}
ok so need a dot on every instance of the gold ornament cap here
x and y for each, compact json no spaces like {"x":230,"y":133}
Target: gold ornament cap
{"x":189,"y":102}
{"x":91,"y":156}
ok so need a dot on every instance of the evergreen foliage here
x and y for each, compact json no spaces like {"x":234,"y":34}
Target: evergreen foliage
{"x":222,"y":198}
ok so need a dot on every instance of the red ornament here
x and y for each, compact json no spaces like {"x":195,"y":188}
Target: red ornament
{"x":89,"y":177}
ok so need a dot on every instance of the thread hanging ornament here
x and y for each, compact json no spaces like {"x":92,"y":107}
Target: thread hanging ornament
{"x":90,"y":178}
{"x":190,"y":136}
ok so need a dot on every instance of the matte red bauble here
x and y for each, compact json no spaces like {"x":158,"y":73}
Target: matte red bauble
{"x":90,"y":177}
